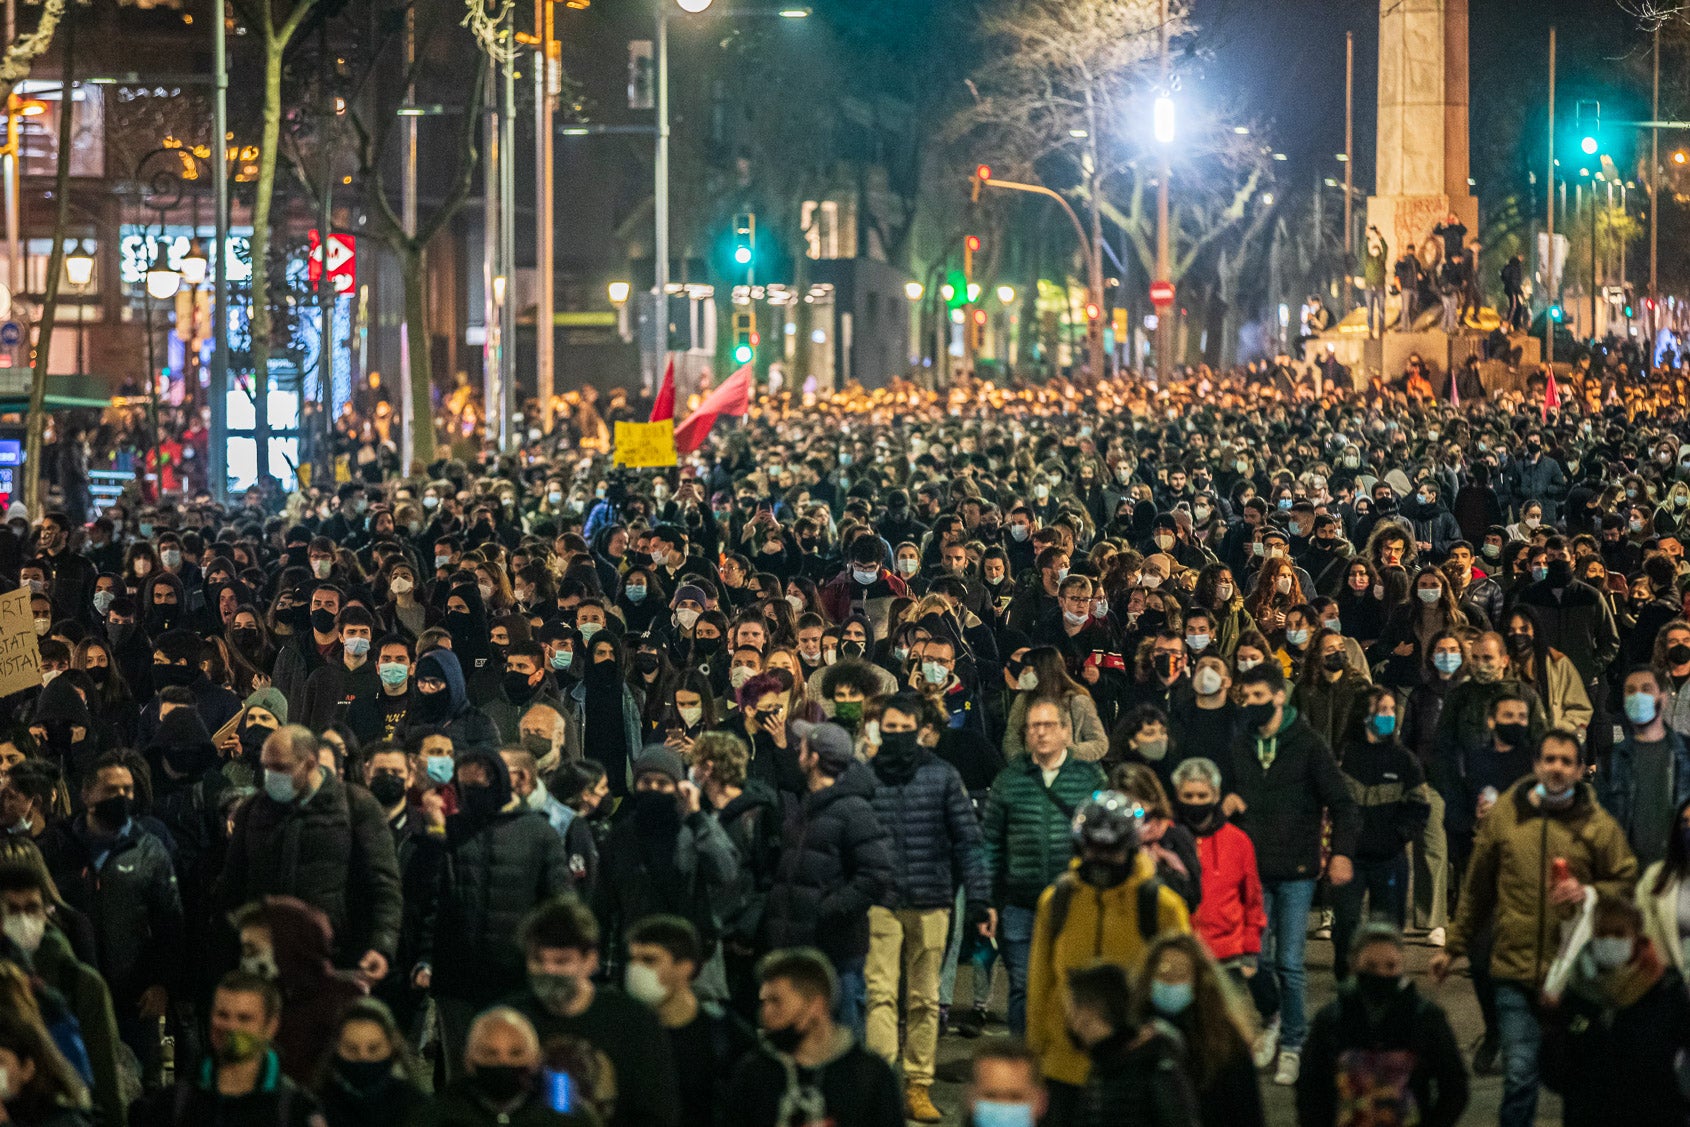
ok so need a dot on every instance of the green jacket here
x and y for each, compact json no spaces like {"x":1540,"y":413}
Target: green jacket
{"x":1462,"y":730}
{"x":1027,"y":826}
{"x":85,"y":992}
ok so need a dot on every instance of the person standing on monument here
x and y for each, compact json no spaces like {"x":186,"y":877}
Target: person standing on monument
{"x":1514,"y":289}
{"x":1407,"y":271}
{"x":1373,"y":261}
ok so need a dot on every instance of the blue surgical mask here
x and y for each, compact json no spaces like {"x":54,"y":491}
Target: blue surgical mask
{"x":1297,"y":637}
{"x":635,"y":592}
{"x":279,"y":785}
{"x":994,"y":1113}
{"x":865,"y":577}
{"x":562,"y":658}
{"x":440,"y":769}
{"x":934,"y":673}
{"x":1640,"y":708}
{"x":1170,"y":999}
{"x":392,"y":673}
{"x":1382,"y":725}
{"x":1540,"y":573}
{"x":356,"y":647}
{"x":1446,"y":662}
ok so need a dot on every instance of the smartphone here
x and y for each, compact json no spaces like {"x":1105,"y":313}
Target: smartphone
{"x":560,"y":1092}
{"x":675,"y":733}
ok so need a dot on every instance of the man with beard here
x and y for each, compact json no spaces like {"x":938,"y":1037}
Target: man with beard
{"x":666,"y":857}
{"x":502,"y":861}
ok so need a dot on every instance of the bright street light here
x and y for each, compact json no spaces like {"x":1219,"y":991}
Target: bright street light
{"x":162,"y":281}
{"x":1164,"y":119}
{"x":1006,"y":294}
{"x":914,"y":290}
{"x":194,"y":264}
{"x":693,"y":6}
{"x":1589,"y":146}
{"x":618,"y":292}
{"x":79,"y":265}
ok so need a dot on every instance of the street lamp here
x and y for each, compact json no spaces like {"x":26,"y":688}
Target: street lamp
{"x":1163,"y":119}
{"x":1006,"y":294}
{"x":618,"y":293}
{"x":162,"y":280}
{"x":79,"y":265}
{"x":914,"y":290}
{"x":194,"y":264}
{"x":693,"y":7}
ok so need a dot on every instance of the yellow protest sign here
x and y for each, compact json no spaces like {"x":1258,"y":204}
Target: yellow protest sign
{"x":20,"y":656}
{"x":645,"y":445}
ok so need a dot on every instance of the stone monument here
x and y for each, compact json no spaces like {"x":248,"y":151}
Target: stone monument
{"x":1422,"y":165}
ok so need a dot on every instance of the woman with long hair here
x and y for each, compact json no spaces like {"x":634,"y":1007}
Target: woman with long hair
{"x":1552,"y":673}
{"x":1400,"y":650}
{"x":1169,"y":842}
{"x":1361,"y":602}
{"x":1217,"y":592}
{"x":1446,"y":667}
{"x":1277,"y":590}
{"x":1185,"y":987}
{"x":1042,"y":674}
{"x":369,"y":1077}
{"x":42,"y":1090}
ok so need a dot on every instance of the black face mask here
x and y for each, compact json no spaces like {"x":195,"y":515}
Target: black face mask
{"x":1105,"y":874}
{"x":387,"y":789}
{"x":459,"y":622}
{"x":706,"y":647}
{"x":431,"y":708}
{"x":502,"y":1083}
{"x":113,"y":811}
{"x":1335,"y":663}
{"x":120,"y":632}
{"x":1377,"y":990}
{"x":517,"y":687}
{"x":252,"y":740}
{"x":1679,"y":654}
{"x":99,"y":674}
{"x":647,"y":663}
{"x":1197,"y":815}
{"x":784,"y":1040}
{"x":850,"y":649}
{"x":177,"y":676}
{"x":246,"y":638}
{"x":322,"y":620}
{"x":363,"y":1075}
{"x":1163,"y":664}
{"x":480,"y":803}
{"x":1560,"y":572}
{"x":897,"y":750}
{"x":655,"y":814}
{"x":1255,"y":715}
{"x":161,"y":617}
{"x":1514,"y":735}
{"x":1519,"y":644}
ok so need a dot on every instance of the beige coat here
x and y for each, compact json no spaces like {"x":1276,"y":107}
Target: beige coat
{"x":1090,"y":742}
{"x":1660,"y":916}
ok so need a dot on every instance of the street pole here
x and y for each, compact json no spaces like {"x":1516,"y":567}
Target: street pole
{"x":323,"y":471}
{"x":1654,"y":194}
{"x":408,"y":216}
{"x":1595,"y":267}
{"x":544,"y":333}
{"x":492,"y":366}
{"x":660,"y":199}
{"x":1164,"y":323}
{"x":218,"y":400}
{"x":1551,"y":277}
{"x":14,"y":177}
{"x":508,"y":430}
{"x":1349,"y":165}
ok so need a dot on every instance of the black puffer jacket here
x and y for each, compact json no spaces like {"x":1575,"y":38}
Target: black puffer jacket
{"x":1286,"y":802}
{"x":333,"y":851}
{"x":935,"y":835}
{"x":132,"y":899}
{"x":752,"y":823}
{"x":495,"y":872}
{"x":836,"y":863}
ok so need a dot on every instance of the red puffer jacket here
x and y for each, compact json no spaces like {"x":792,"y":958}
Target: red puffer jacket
{"x":1230,"y":917}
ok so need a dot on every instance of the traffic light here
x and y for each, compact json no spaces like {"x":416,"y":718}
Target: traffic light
{"x":1557,"y":314}
{"x":1092,"y":311}
{"x":977,"y":330}
{"x":1587,"y":119}
{"x":982,"y":173}
{"x":745,"y":338}
{"x":745,"y":238}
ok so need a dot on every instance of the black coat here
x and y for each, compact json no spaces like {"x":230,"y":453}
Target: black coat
{"x":836,"y":863}
{"x":1285,"y":802}
{"x":1410,"y":1030}
{"x":855,"y":1088}
{"x":1617,"y":1065}
{"x":333,"y":851}
{"x":1144,"y":1084}
{"x":935,"y":835}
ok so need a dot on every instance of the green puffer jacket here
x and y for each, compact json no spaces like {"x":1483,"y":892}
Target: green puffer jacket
{"x":1027,"y":842}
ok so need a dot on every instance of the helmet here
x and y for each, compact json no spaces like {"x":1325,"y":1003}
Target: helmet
{"x":1108,"y":819}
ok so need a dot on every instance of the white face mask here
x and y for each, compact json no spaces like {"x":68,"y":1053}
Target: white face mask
{"x":26,"y":930}
{"x":1207,"y":682}
{"x":686,"y":618}
{"x":401,"y":585}
{"x":1028,"y":681}
{"x":691,"y":714}
{"x":643,"y":985}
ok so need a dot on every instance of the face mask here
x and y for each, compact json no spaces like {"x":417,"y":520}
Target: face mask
{"x":1154,"y":750}
{"x":263,"y":964}
{"x":1170,"y":999}
{"x":240,"y":1045}
{"x":356,"y":647}
{"x":934,"y":673}
{"x":171,"y":557}
{"x":1105,"y":874}
{"x":322,"y":621}
{"x":1019,"y":532}
{"x":784,"y":1041}
{"x":103,"y":601}
{"x":1297,"y":637}
{"x":279,"y":785}
{"x":1282,"y":584}
{"x":143,"y":565}
{"x":321,"y":568}
{"x":992,"y":1113}
{"x":1335,"y":663}
{"x":739,"y":675}
{"x":1640,"y":708}
{"x":1061,"y":574}
{"x":1446,"y":662}
{"x":1245,"y":664}
{"x":562,"y":658}
{"x":1256,"y":715}
{"x":1377,"y":989}
{"x":1491,"y":551}
{"x":1382,"y":725}
{"x":1514,"y":735}
{"x":1610,"y":952}
{"x":486,"y":590}
{"x":643,"y":985}
{"x":1429,"y":595}
{"x":502,"y":1083}
{"x":26,"y":931}
{"x":686,"y":618}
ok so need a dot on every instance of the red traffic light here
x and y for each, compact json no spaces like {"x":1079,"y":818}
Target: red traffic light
{"x":756,"y":339}
{"x":972,"y":242}
{"x":979,"y":316}
{"x":984,"y":172}
{"x":1092,"y":311}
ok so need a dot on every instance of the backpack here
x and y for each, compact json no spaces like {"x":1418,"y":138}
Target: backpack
{"x":1149,"y":907}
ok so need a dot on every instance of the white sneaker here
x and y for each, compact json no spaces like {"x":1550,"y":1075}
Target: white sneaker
{"x":1435,"y":937}
{"x":1324,"y":929}
{"x":1290,"y":1066}
{"x":1267,"y":1045}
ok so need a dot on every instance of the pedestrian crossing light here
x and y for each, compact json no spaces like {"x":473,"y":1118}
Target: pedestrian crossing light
{"x":1557,"y":314}
{"x":745,"y":238}
{"x":745,"y":338}
{"x":1588,"y":145}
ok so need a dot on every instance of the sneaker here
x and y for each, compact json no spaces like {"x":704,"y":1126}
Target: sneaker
{"x":1266,"y":1047}
{"x":1485,"y":1055}
{"x":1290,"y":1066}
{"x":971,"y":1023}
{"x":918,"y":1105}
{"x":1435,"y":937}
{"x":1324,"y":931}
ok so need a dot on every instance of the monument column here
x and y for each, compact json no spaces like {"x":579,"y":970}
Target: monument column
{"x":1422,"y":138}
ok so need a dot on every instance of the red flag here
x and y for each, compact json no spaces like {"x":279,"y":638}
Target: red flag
{"x":664,"y":406}
{"x":732,"y":398}
{"x":1551,"y":396}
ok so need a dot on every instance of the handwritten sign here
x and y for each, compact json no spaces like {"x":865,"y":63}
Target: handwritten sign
{"x":20,"y":656}
{"x":645,"y":445}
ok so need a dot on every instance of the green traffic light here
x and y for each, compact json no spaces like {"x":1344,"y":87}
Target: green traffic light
{"x":742,"y":354}
{"x":742,"y":255}
{"x":1556,"y":314}
{"x":1589,"y":146}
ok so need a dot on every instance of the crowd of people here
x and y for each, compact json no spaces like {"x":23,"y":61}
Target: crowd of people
{"x":525,"y":788}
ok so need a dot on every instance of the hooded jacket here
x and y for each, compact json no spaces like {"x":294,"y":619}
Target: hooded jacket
{"x":1231,"y":916}
{"x":314,"y":994}
{"x":59,"y":708}
{"x":851,"y":1088}
{"x":1101,"y":924}
{"x":466,"y":726}
{"x":1508,"y":877}
{"x":497,"y":869}
{"x":935,"y":835}
{"x":1286,"y":802}
{"x":1351,"y":1049}
{"x":835,"y":864}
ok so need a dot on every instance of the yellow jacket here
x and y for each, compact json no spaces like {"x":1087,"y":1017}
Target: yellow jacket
{"x":1101,"y":926}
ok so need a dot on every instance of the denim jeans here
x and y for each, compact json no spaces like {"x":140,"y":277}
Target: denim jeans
{"x":1384,"y":884}
{"x":1015,"y":944}
{"x":851,"y":1009}
{"x":966,"y":946}
{"x":1516,"y":1015}
{"x":1376,"y":311}
{"x":1288,"y":903}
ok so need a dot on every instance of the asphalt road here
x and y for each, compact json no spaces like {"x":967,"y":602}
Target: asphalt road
{"x":1456,"y":996}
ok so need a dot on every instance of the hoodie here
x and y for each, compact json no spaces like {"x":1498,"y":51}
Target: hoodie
{"x":59,"y":709}
{"x":851,"y":1087}
{"x":465,"y":725}
{"x":314,"y":994}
